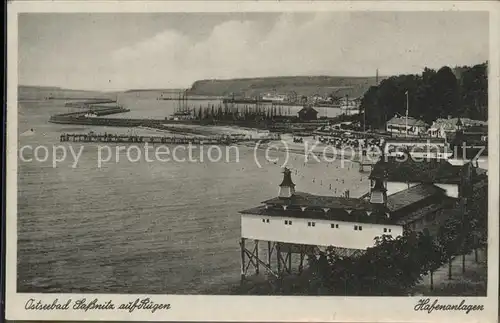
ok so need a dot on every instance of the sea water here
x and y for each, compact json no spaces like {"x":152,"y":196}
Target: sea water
{"x":143,"y":227}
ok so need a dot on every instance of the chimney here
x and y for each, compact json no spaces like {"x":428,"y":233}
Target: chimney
{"x":287,"y":187}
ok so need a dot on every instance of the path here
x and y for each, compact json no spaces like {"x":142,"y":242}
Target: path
{"x":470,"y":283}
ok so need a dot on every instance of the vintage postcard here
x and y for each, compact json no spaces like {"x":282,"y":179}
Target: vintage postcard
{"x":253,"y":161}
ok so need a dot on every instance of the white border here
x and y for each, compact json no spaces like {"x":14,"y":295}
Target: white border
{"x":254,"y":308}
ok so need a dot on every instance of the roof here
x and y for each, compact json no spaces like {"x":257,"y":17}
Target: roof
{"x":476,"y":129}
{"x":402,"y":199}
{"x":451,"y":123}
{"x":331,"y":215}
{"x":421,"y":171}
{"x":421,"y":140}
{"x":300,"y":199}
{"x":411,"y":122}
{"x":308,"y":109}
{"x":421,"y":212}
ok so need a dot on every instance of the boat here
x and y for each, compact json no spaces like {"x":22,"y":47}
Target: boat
{"x":181,"y":115}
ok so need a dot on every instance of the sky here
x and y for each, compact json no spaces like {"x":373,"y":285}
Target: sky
{"x":118,"y":51}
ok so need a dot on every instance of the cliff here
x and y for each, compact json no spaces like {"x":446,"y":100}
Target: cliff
{"x":301,"y":85}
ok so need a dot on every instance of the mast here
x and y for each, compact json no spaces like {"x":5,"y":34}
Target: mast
{"x":407,"y":104}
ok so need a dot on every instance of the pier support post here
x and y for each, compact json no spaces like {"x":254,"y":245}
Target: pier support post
{"x":269,"y":253}
{"x":278,"y":256}
{"x":257,"y":256}
{"x":242,"y":245}
{"x":290,"y":261}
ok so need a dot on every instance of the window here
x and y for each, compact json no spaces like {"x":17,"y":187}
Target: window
{"x":336,"y":226}
{"x":311,"y":224}
{"x":308,"y":224}
{"x":360,"y":228}
{"x":288,"y":222}
{"x":385,"y":230}
{"x":264,"y":220}
{"x":355,"y":227}
{"x":389,"y":230}
{"x":267,"y":220}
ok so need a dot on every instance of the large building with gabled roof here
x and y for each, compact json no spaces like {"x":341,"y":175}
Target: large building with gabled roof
{"x":407,"y":126}
{"x":405,"y":196}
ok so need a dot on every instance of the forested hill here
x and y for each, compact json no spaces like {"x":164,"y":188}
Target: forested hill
{"x":458,"y":92}
{"x":301,"y":85}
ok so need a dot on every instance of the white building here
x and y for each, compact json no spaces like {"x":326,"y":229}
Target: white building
{"x":442,"y":128}
{"x":403,"y":125}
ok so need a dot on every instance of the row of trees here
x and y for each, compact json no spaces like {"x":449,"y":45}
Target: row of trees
{"x":395,"y":265}
{"x":462,"y":92}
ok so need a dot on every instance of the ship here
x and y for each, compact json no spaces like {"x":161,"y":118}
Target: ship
{"x":181,"y":115}
{"x":274,"y":97}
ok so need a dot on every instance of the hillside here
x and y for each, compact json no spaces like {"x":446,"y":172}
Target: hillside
{"x":301,"y":85}
{"x":160,"y":91}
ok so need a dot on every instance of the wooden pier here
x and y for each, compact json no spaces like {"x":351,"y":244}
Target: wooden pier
{"x":179,"y":140}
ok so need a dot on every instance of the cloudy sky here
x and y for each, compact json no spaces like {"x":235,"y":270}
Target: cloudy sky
{"x":166,"y":50}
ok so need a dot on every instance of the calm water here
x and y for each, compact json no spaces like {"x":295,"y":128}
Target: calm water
{"x":160,"y":227}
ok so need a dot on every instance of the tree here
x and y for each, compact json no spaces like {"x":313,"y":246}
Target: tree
{"x":446,"y":92}
{"x":391,"y":267}
{"x":431,"y":95}
{"x":448,"y":237}
{"x":433,"y":255}
{"x":474,"y":91}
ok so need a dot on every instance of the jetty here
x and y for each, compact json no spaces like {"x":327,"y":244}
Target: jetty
{"x":179,"y":140}
{"x":113,"y":138}
{"x":88,"y":102}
